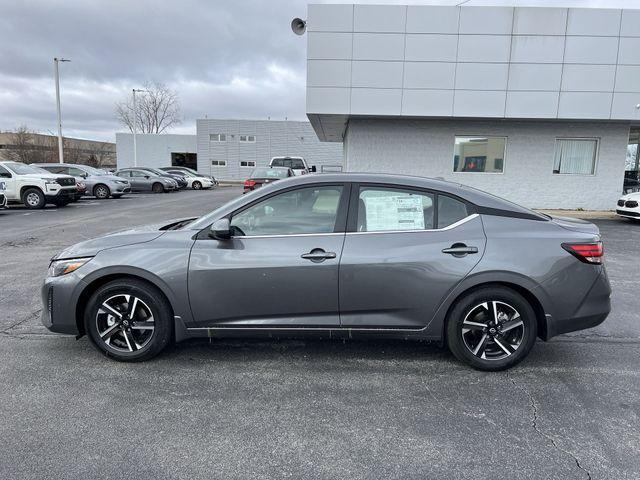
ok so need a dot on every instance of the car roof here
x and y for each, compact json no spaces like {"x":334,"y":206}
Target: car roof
{"x":468,"y":193}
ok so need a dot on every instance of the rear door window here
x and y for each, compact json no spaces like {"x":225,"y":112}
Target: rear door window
{"x":450,"y":211}
{"x":382,"y":209}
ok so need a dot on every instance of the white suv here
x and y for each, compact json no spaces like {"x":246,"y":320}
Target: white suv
{"x":297,"y":164}
{"x":34,"y":186}
{"x":3,"y":197}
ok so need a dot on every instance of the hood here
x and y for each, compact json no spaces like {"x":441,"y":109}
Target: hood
{"x":48,"y":176}
{"x":631,"y":196}
{"x":576,"y":224}
{"x":112,"y":178}
{"x":90,"y":248}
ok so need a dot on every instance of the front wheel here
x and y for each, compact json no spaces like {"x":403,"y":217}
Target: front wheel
{"x":33,"y":198}
{"x":129,"y":320}
{"x":157,"y":188}
{"x":101,"y":192}
{"x":492,"y":328}
{"x":196,"y":185}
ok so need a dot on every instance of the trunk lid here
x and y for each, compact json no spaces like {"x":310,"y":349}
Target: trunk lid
{"x":576,"y":225}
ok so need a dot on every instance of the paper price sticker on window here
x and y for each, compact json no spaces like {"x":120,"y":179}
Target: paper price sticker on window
{"x":398,"y":212}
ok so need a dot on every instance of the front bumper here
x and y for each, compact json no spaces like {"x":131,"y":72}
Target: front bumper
{"x":3,"y":200}
{"x":628,"y":212}
{"x":59,"y":298}
{"x":68,"y":193}
{"x":120,"y":188}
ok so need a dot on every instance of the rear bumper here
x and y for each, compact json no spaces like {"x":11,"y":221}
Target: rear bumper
{"x":593,"y":310}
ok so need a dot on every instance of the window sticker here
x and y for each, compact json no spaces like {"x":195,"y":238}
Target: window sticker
{"x":397,"y":212}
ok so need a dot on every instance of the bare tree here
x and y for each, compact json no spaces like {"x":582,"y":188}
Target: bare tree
{"x":156,"y":110}
{"x":21,"y":151}
{"x":31,"y":147}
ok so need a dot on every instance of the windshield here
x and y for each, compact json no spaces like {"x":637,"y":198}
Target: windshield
{"x":93,"y":171}
{"x":22,"y":169}
{"x":295,"y":163}
{"x":184,"y":173}
{"x":156,"y":171}
{"x":269,"y":173}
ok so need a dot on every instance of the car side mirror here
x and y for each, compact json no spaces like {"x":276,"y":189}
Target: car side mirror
{"x":220,"y":229}
{"x":147,"y":177}
{"x":313,"y":169}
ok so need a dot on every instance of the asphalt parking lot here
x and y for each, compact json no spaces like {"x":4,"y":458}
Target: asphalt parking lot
{"x":303,"y":408}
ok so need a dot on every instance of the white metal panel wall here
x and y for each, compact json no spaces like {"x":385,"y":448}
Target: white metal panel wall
{"x":469,"y":61}
{"x":273,"y":138}
{"x":152,"y":150}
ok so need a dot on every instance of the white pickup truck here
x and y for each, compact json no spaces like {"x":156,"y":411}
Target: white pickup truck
{"x":297,"y":164}
{"x":35,"y":187}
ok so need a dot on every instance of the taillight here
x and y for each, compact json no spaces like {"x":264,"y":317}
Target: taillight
{"x":586,"y":252}
{"x":249,"y":183}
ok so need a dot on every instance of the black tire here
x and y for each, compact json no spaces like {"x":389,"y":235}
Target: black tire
{"x":122,"y":341}
{"x":491,"y":343}
{"x":101,"y":192}
{"x":196,"y":185}
{"x":157,"y":188}
{"x":33,"y":198}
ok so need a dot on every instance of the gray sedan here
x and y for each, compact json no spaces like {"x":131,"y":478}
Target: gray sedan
{"x":99,"y":184}
{"x":339,"y":255}
{"x":146,"y":181}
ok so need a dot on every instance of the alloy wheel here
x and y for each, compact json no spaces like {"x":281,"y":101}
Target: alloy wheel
{"x":493,"y":330}
{"x":125,"y":323}
{"x":101,"y":192}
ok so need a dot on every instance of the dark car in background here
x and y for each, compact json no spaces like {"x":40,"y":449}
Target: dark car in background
{"x":265,"y":175}
{"x":98,"y":183}
{"x":147,"y":181}
{"x":338,"y":255}
{"x":179,"y":179}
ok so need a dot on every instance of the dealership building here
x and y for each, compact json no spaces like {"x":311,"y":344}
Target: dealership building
{"x":230,"y":149}
{"x":537,"y":105}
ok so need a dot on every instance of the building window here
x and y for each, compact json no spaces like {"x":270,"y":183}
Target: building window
{"x":575,"y":156}
{"x":219,"y":163}
{"x":217,"y":137}
{"x":247,"y":163}
{"x":479,"y":154}
{"x":247,"y":139}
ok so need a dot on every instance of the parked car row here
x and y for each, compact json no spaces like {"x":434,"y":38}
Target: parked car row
{"x":37,"y":185}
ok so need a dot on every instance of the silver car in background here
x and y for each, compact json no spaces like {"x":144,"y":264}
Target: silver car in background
{"x":147,"y":181}
{"x":339,"y":255}
{"x":99,"y":184}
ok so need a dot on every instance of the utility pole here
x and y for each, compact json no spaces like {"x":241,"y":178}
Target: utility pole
{"x":135,"y":119}
{"x":57,"y":77}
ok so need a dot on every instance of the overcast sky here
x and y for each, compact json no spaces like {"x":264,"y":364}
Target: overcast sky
{"x":224,"y":58}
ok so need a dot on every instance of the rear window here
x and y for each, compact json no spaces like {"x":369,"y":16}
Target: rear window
{"x":269,"y":173}
{"x":295,"y":163}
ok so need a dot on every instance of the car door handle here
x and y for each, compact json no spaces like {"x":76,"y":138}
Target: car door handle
{"x":460,"y":250}
{"x":318,"y":255}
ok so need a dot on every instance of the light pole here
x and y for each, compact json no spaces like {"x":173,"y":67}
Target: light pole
{"x":57,"y":75}
{"x":135,"y":118}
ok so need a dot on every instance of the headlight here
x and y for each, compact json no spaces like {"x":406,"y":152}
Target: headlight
{"x":122,"y":182}
{"x":62,"y":267}
{"x":48,"y":181}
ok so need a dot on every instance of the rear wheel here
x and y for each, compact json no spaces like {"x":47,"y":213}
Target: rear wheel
{"x":101,"y":192}
{"x":492,"y":328}
{"x":129,"y":320}
{"x":157,"y":188}
{"x":33,"y":198}
{"x":196,"y":185}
